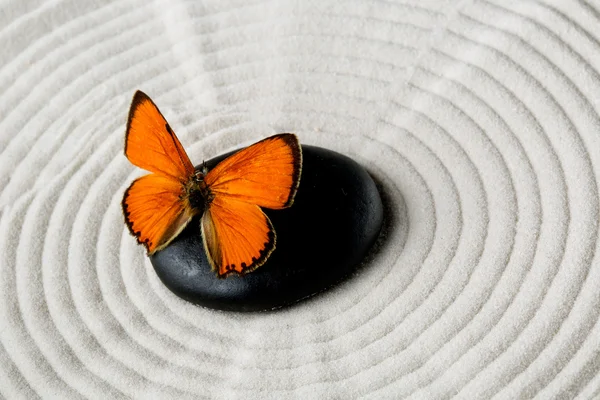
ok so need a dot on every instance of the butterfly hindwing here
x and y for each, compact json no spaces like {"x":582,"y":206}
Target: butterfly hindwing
{"x":237,"y":235}
{"x":266,"y":173}
{"x":154,"y":210}
{"x":151,"y":144}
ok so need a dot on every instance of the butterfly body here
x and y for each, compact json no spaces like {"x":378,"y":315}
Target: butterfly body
{"x":237,"y":236}
{"x":196,"y":193}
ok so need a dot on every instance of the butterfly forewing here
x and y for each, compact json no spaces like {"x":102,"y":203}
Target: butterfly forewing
{"x":151,"y":144}
{"x":265,"y":174}
{"x":154,"y":211}
{"x":238,"y":236}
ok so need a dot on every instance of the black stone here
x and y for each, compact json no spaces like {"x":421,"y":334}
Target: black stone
{"x":335,"y":219}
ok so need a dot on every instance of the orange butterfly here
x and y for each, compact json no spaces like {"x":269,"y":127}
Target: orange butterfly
{"x":238,"y":236}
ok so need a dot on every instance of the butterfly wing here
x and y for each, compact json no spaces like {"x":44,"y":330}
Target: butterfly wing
{"x":238,"y":236}
{"x":154,"y":206}
{"x":266,"y":174}
{"x":154,"y":211}
{"x":151,"y":144}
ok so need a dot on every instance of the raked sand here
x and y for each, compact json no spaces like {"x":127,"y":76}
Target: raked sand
{"x":479,"y":119}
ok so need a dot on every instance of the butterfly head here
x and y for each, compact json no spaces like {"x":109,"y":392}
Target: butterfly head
{"x":199,"y":175}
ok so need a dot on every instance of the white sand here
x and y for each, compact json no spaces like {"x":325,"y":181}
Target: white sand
{"x":480,"y":119}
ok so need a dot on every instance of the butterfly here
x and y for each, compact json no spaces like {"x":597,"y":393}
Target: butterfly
{"x":237,"y":235}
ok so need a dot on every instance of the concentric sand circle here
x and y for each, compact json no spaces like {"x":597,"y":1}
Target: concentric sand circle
{"x":478,"y":120}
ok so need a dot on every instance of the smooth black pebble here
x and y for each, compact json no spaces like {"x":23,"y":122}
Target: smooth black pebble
{"x":335,"y":219}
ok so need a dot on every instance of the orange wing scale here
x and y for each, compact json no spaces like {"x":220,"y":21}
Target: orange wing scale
{"x":238,"y":236}
{"x":266,"y":174}
{"x":153,"y":205}
{"x":154,"y":210}
{"x":151,"y":144}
